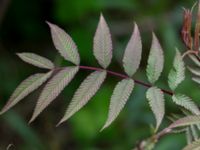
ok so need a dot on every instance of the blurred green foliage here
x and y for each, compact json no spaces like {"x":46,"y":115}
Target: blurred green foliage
{"x":23,"y":28}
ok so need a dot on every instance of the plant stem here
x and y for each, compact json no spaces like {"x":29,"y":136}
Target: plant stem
{"x":123,"y":76}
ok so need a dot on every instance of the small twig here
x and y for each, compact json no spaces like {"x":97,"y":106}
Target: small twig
{"x":123,"y":76}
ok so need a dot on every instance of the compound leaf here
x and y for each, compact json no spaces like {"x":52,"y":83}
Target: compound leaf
{"x":119,"y":98}
{"x":84,"y":93}
{"x":186,"y":102}
{"x":26,"y":87}
{"x":36,"y":60}
{"x":177,"y":73}
{"x":64,"y":44}
{"x":155,"y":61}
{"x":156,"y":100}
{"x":133,"y":51}
{"x":53,"y":88}
{"x":102,"y":47}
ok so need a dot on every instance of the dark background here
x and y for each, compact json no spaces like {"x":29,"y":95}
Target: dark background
{"x":23,"y":28}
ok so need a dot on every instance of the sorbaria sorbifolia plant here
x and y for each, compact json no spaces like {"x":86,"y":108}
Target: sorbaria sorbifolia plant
{"x":58,"y":78}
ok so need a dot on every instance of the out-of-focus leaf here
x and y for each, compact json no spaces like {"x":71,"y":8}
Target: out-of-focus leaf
{"x":193,"y":146}
{"x":195,"y":71}
{"x":195,"y":60}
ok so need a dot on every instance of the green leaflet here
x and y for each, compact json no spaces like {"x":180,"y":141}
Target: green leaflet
{"x":26,"y":87}
{"x":36,"y":60}
{"x":53,"y":88}
{"x":132,"y":54}
{"x":155,"y":61}
{"x":156,"y":101}
{"x":186,"y":102}
{"x":64,"y":44}
{"x":102,"y":47}
{"x":119,"y":98}
{"x":193,"y":146}
{"x":177,"y":73}
{"x":84,"y":93}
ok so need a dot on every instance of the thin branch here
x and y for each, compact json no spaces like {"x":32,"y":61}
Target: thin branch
{"x":123,"y":76}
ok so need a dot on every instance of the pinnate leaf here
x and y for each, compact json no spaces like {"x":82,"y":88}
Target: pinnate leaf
{"x":102,"y":47}
{"x":186,"y":102}
{"x":155,"y":61}
{"x":64,"y":44}
{"x":53,"y":88}
{"x":133,"y":51}
{"x":156,"y":101}
{"x":84,"y":93}
{"x":26,"y":87}
{"x":36,"y":60}
{"x":119,"y":98}
{"x":177,"y":73}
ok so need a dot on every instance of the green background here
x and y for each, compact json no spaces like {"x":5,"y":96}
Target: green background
{"x":23,"y":28}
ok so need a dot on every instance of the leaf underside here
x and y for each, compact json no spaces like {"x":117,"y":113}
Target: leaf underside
{"x":119,"y":98}
{"x":53,"y":88}
{"x":155,"y":61}
{"x":186,"y":102}
{"x":84,"y":93}
{"x":156,"y":101}
{"x":102,"y":47}
{"x":64,"y":44}
{"x":36,"y":60}
{"x":26,"y":87}
{"x":133,"y":51}
{"x":177,"y":73}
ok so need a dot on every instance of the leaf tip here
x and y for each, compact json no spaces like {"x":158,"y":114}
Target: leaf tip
{"x":49,"y":23}
{"x":30,"y":121}
{"x":105,"y":126}
{"x":60,"y":122}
